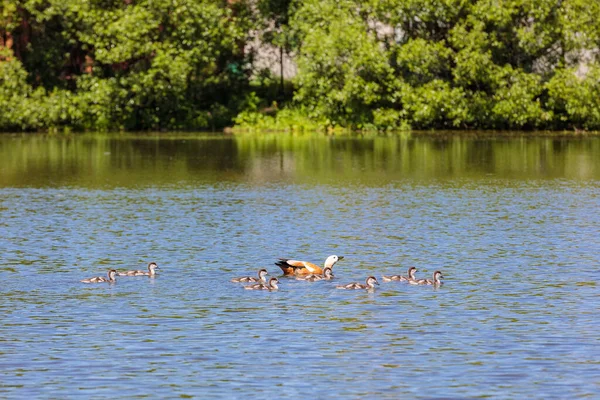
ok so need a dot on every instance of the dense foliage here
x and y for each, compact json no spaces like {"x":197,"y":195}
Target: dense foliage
{"x":105,"y":64}
{"x":376,"y":64}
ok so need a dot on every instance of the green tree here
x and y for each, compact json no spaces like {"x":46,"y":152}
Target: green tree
{"x":344,"y":72}
{"x":375,"y":64}
{"x":451,"y":63}
{"x":136,"y":65}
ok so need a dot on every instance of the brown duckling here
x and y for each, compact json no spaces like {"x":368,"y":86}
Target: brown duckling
{"x":435,"y":281}
{"x":401,"y":278}
{"x":262,"y":273}
{"x":152,"y":267}
{"x":98,"y":279}
{"x":271,"y":285}
{"x":327,"y":275}
{"x":370,"y":284}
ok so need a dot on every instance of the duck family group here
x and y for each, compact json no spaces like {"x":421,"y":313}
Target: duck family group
{"x":113,"y":273}
{"x":306,"y":271}
{"x":302,"y":270}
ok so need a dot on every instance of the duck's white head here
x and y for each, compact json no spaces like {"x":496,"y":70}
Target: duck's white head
{"x":372,"y":281}
{"x":112,"y":274}
{"x":437,"y":275}
{"x":331,"y":260}
{"x":152,"y":266}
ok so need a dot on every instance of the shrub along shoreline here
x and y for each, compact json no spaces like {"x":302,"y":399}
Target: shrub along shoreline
{"x":369,"y":66}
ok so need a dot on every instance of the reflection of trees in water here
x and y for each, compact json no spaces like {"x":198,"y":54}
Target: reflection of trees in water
{"x":134,"y":160}
{"x":198,"y":154}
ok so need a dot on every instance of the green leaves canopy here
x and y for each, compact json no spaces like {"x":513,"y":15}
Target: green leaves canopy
{"x":450,"y":63}
{"x":173,"y":64}
{"x":136,"y":64}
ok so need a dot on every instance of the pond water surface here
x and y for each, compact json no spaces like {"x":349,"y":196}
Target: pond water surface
{"x":512,"y":222}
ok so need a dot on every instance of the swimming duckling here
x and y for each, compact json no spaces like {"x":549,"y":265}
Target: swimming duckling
{"x":152,"y":267}
{"x":262,"y":273}
{"x":370,"y":284}
{"x":435,"y":281}
{"x":327,"y":275}
{"x":271,"y":285}
{"x":415,"y":281}
{"x":295,"y":267}
{"x":401,"y":278}
{"x":111,"y":278}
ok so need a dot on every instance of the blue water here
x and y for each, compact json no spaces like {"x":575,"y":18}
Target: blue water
{"x":517,"y":316}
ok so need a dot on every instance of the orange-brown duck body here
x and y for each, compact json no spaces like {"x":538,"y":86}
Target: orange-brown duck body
{"x":296,"y":267}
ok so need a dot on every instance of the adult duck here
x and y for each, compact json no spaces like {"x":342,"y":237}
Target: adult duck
{"x":295,"y":267}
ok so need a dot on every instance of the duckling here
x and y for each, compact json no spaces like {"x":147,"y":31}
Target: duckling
{"x":370,"y":284}
{"x":111,"y":278}
{"x":152,"y":267}
{"x":271,"y":285}
{"x":401,"y":278}
{"x":262,"y":273}
{"x":435,"y":281}
{"x":294,"y":267}
{"x":415,"y":281}
{"x":327,"y":275}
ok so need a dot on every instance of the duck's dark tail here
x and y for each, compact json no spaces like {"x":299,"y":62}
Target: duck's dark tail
{"x":285,"y":267}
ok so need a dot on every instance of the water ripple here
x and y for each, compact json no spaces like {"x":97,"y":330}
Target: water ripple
{"x":516,"y":317}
